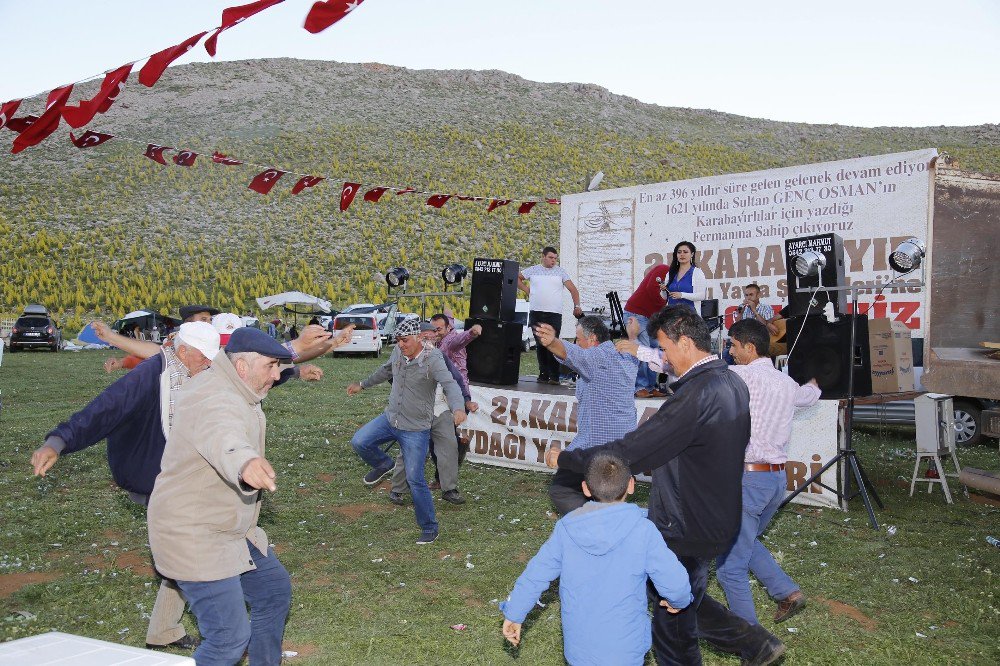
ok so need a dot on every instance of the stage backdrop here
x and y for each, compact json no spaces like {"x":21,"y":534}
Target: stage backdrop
{"x":739,"y":222}
{"x":514,"y":429}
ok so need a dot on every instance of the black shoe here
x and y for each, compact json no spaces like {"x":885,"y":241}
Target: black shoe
{"x":772,"y":650}
{"x":543,"y":379}
{"x":452,"y":496}
{"x":379,"y":473}
{"x":397,"y":498}
{"x":185,"y":642}
{"x":427,"y":537}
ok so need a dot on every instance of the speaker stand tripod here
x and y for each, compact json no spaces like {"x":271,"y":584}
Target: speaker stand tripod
{"x":854,"y":469}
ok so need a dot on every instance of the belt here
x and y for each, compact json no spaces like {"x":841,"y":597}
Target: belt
{"x":764,"y":467}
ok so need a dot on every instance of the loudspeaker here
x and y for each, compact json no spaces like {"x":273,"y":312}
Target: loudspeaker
{"x":710,"y":313}
{"x":494,"y":289}
{"x":823,"y":351}
{"x":832,"y":247}
{"x":495,"y":356}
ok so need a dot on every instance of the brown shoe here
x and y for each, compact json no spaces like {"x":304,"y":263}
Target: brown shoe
{"x":643,"y":393}
{"x":434,"y":485}
{"x":789,"y":606}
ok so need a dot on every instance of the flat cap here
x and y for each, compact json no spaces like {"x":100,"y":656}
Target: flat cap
{"x":248,"y":339}
{"x":188,"y":311}
{"x":407,"y":328}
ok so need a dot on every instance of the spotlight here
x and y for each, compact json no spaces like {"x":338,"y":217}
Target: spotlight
{"x":454,"y":273}
{"x":809,"y":263}
{"x":907,"y":256}
{"x":397,"y":277}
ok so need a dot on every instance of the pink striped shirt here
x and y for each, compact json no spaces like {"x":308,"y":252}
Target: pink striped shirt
{"x":773,"y":399}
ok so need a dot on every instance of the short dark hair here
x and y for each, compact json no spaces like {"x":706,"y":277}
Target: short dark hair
{"x":753,"y":285}
{"x":678,"y":320}
{"x":594,"y":325}
{"x":440,"y":315}
{"x":751,"y":332}
{"x":607,"y":477}
{"x":549,"y":248}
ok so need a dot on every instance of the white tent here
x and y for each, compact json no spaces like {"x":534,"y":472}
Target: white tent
{"x":291,"y":298}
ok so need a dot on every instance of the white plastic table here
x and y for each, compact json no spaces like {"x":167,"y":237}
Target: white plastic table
{"x":56,"y":647}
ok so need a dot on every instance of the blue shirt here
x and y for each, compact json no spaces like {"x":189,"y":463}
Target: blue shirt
{"x":605,"y":393}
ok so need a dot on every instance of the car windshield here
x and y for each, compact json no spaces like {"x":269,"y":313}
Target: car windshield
{"x":360,"y":323}
{"x":33,"y":322}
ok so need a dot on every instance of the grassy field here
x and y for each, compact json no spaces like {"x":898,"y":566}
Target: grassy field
{"x":73,"y":553}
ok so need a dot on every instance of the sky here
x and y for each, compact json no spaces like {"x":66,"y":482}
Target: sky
{"x":851,"y":62}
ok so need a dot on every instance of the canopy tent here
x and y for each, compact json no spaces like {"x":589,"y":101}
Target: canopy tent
{"x":290,"y":299}
{"x":145,"y":320}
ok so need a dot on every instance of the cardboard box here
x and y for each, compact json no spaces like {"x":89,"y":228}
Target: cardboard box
{"x":891,"y":356}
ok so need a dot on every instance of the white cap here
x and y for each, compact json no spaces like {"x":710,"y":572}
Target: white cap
{"x":199,"y":335}
{"x":225,"y":323}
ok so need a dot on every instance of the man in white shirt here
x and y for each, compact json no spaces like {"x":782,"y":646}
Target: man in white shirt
{"x":544,"y":293}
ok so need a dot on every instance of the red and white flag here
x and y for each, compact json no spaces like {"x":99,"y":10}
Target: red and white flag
{"x":90,"y":139}
{"x":554,"y":202}
{"x":185,"y":158}
{"x":347,"y":195}
{"x":324,"y":14}
{"x":265,"y":180}
{"x":375,"y":194}
{"x":526,"y":207}
{"x":84,"y":112}
{"x":155,"y":153}
{"x":306,"y":181}
{"x":219,"y":158}
{"x":7,"y":111}
{"x":233,"y":15}
{"x":438,"y":200}
{"x":496,"y":203}
{"x":406,"y":190}
{"x":47,"y":123}
{"x":158,"y":62}
{"x":21,"y":123}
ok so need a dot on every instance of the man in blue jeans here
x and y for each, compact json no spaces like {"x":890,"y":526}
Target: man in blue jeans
{"x":415,"y":372}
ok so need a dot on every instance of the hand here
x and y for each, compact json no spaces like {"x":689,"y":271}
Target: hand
{"x":476,"y":330}
{"x":354,"y":389}
{"x":552,"y":456}
{"x":113,"y":364}
{"x":471,"y":406}
{"x":259,"y":474}
{"x":670,"y":609}
{"x":343,"y":337}
{"x":43,"y":459}
{"x":546,"y":334}
{"x":813,"y":382}
{"x":101,"y":330}
{"x":313,"y":334}
{"x":675,"y":294}
{"x":310,"y":373}
{"x":577,"y":311}
{"x":628,"y":347}
{"x":459,"y":416}
{"x":512,"y":632}
{"x":633,"y":329}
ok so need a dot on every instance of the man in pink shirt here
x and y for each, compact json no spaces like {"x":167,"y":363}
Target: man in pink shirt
{"x":774,"y":396}
{"x":452,"y":343}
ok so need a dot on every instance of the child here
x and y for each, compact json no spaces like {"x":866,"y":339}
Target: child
{"x":603,"y":554}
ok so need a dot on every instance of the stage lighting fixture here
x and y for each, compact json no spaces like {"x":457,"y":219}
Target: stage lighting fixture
{"x":809,"y":263}
{"x":454,"y":273}
{"x":907,"y":256}
{"x":397,"y":277}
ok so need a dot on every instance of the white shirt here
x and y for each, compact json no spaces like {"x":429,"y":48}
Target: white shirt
{"x":545,"y":294}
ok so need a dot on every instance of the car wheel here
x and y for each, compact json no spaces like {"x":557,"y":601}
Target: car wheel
{"x":968,"y":424}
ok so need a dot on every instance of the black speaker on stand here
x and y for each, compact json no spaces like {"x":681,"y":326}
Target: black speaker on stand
{"x":495,"y":356}
{"x":823,"y":350}
{"x":494,"y":289}
{"x":831,"y":246}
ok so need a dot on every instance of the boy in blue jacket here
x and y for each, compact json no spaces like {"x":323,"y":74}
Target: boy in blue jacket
{"x":603,"y":553}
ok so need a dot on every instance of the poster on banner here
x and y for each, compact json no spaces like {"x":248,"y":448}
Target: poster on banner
{"x":515,"y":428}
{"x":739,"y":222}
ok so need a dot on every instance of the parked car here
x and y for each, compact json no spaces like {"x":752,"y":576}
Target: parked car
{"x":365,"y":339}
{"x":386,"y":314}
{"x":35,"y":331}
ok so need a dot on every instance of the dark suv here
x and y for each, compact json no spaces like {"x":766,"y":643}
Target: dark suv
{"x":35,"y":330}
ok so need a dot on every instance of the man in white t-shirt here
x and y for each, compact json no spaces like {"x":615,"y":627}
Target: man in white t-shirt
{"x":544,"y":293}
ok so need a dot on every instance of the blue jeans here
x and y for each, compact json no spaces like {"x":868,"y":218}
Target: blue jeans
{"x":220,"y":607}
{"x":645,"y":378}
{"x":762,"y":493}
{"x":368,"y":441}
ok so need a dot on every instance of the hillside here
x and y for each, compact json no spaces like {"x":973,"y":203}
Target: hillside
{"x":105,"y":230}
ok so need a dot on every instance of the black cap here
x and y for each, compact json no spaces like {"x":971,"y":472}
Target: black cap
{"x":255,"y":340}
{"x":188,"y":311}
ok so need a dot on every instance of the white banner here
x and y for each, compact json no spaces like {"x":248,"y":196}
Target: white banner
{"x":515,"y":428}
{"x":739,"y":222}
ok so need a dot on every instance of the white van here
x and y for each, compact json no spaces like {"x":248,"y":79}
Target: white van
{"x":365,"y":339}
{"x":521,"y":316}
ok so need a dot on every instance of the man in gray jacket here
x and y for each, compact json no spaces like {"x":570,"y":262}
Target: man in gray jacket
{"x":415,"y":373}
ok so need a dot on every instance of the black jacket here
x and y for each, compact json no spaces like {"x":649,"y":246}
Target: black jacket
{"x":694,"y":444}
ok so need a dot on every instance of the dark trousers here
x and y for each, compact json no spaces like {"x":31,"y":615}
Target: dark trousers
{"x":548,"y":364}
{"x":675,"y":636}
{"x":566,"y":491}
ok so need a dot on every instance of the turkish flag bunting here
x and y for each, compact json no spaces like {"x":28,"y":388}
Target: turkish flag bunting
{"x":306,"y":181}
{"x":7,"y":111}
{"x":185,"y":158}
{"x":233,"y":15}
{"x":375,"y":194}
{"x":554,"y":202}
{"x":40,"y":129}
{"x":438,"y":200}
{"x":324,"y":14}
{"x":20,"y":123}
{"x":219,"y":158}
{"x":526,"y":207}
{"x":155,"y":153}
{"x":90,"y":139}
{"x":84,"y":112}
{"x":464,"y":198}
{"x":496,"y":203}
{"x":157,"y":63}
{"x":406,"y":190}
{"x":347,"y":195}
{"x":265,"y":180}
